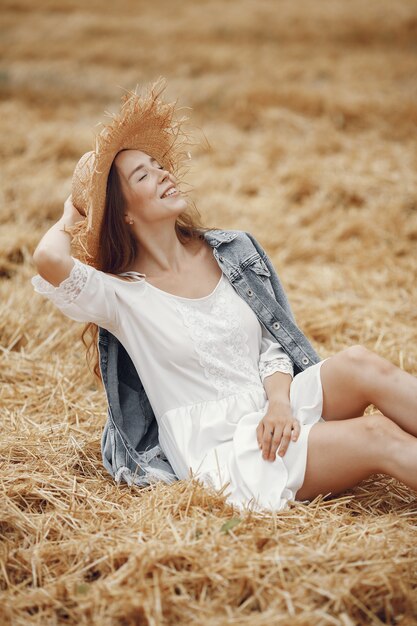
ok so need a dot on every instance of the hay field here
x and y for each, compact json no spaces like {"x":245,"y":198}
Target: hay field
{"x":309,"y":110}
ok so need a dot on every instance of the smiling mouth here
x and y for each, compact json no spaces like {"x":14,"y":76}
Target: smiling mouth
{"x":171,"y":192}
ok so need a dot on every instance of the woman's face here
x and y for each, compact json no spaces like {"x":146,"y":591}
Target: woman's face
{"x":144,"y":184}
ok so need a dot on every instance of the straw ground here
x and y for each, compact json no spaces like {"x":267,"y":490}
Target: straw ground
{"x":310,"y":111}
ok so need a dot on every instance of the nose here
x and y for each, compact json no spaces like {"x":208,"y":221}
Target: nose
{"x":163,"y":174}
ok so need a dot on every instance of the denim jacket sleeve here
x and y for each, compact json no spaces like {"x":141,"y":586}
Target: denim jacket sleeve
{"x":272,"y":357}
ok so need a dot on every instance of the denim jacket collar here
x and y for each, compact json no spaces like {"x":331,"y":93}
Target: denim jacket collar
{"x":215,"y":237}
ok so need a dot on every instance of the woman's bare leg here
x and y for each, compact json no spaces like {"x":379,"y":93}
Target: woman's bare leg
{"x":341,"y":454}
{"x":357,"y":377}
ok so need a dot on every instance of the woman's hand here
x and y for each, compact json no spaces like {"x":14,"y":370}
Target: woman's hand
{"x":55,"y":242}
{"x":279,"y":421}
{"x":71,"y":214}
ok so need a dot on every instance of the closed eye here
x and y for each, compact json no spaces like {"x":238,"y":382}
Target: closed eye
{"x":160,"y":167}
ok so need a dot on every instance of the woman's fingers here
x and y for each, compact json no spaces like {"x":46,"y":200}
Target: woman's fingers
{"x":259,"y":434}
{"x":264,"y":440}
{"x":266,"y":443}
{"x":285,"y":440}
{"x":71,"y":210}
{"x":296,"y":430}
{"x":280,"y":438}
{"x":271,"y":440}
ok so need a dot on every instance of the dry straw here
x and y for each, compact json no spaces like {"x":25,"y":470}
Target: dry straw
{"x":312,"y":113}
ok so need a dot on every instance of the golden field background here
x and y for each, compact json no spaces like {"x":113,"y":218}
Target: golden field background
{"x":306,"y":116}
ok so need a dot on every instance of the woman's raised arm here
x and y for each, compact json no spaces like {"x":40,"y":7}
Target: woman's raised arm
{"x":52,"y":256}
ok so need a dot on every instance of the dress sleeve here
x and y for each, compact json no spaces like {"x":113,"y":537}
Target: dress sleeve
{"x":272,"y":357}
{"x":86,"y":295}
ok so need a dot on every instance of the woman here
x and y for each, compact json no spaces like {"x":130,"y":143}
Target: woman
{"x":222,"y":388}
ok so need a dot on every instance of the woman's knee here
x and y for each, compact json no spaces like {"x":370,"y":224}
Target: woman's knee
{"x":350,"y":364}
{"x":342,"y":453}
{"x":357,"y":353}
{"x":363,"y":439}
{"x":383,"y":433}
{"x":362,"y":369}
{"x":381,"y":436}
{"x":357,"y":359}
{"x":364,"y":360}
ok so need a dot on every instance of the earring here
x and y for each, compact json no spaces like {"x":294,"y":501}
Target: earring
{"x":131,"y":221}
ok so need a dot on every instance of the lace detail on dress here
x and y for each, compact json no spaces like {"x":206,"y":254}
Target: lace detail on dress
{"x":214,"y":324}
{"x":279,"y":364}
{"x":68,"y":289}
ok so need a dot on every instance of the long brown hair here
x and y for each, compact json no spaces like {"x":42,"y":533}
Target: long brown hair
{"x":118,"y":249}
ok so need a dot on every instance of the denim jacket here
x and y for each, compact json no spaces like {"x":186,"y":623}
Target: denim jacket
{"x":130,"y":446}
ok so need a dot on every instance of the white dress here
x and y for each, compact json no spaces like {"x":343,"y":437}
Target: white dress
{"x":202,"y":363}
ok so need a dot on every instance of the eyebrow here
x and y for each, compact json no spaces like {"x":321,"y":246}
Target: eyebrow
{"x":139,"y":167}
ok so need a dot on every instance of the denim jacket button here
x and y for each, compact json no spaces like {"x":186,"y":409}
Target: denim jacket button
{"x":305,"y":360}
{"x":250,"y":292}
{"x":220,"y":258}
{"x":276,"y":325}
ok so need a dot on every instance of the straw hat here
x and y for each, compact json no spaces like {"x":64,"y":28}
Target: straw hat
{"x":145,"y":123}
